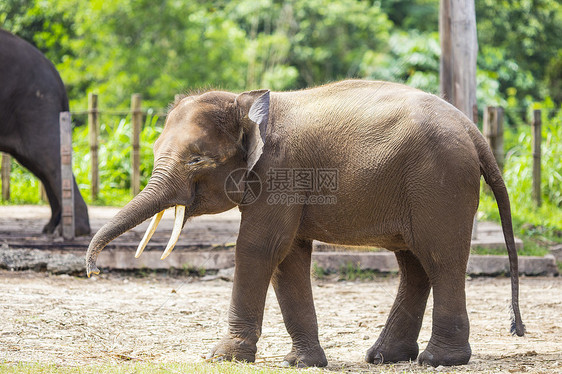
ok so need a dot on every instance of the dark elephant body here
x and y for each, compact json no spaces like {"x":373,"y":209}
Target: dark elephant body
{"x":31,"y":97}
{"x":408,"y":169}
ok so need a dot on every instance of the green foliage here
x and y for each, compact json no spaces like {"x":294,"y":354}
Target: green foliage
{"x":120,"y":48}
{"x":554,"y":77}
{"x":162,"y":48}
{"x":48,"y":28}
{"x":318,"y":272}
{"x":24,"y":186}
{"x":412,"y":58}
{"x":525,"y":36}
{"x":538,"y":226}
{"x":422,"y":15}
{"x":114,"y":154}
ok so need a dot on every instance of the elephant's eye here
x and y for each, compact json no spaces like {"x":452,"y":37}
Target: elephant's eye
{"x":195,"y":160}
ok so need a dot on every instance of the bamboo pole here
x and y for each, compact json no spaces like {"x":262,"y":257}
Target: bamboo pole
{"x":93,"y":128}
{"x":136,"y":117}
{"x":492,"y":129}
{"x":537,"y":140}
{"x":6,"y":171}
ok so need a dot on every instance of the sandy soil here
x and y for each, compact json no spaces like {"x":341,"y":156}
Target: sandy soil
{"x":118,"y":317}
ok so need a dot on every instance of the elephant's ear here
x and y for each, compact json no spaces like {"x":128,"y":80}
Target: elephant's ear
{"x":254,"y":110}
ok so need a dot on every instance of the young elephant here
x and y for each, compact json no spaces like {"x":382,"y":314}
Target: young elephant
{"x":392,"y":167}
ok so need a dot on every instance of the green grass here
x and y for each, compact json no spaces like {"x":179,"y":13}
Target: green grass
{"x":353,"y":272}
{"x":149,"y":368}
{"x":530,"y":249}
{"x":201,"y":367}
{"x":348,"y":272}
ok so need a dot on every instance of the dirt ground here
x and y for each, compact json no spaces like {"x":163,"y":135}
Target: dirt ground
{"x":73,"y":321}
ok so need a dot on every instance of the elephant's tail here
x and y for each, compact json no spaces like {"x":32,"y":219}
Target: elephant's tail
{"x":492,"y":176}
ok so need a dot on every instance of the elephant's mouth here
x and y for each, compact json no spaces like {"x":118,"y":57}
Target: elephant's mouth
{"x":179,"y":222}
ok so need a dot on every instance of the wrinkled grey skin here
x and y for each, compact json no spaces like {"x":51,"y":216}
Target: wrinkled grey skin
{"x":31,"y":97}
{"x":409,"y":167}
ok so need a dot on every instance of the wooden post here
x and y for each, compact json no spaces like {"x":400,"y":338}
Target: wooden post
{"x":537,"y":140}
{"x":459,"y":48}
{"x":93,"y":129}
{"x":66,"y":176}
{"x":492,"y":129}
{"x":136,"y":118}
{"x":6,"y":171}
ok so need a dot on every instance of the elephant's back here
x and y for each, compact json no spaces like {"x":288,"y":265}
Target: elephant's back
{"x":371,"y":124}
{"x":28,"y":77}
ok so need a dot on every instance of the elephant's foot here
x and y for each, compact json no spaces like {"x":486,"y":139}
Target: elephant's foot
{"x":306,"y":358}
{"x":448,"y":355}
{"x":51,"y":226}
{"x":233,"y":349}
{"x":381,"y":353}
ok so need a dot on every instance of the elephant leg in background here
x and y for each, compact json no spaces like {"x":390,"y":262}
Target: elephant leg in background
{"x":265,"y":237}
{"x":398,"y":339}
{"x":291,"y":281}
{"x":43,"y":160}
{"x":50,"y":179}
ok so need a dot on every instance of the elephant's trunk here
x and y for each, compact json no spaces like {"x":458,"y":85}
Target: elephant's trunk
{"x":153,"y":199}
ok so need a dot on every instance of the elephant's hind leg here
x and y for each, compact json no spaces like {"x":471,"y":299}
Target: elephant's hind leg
{"x":448,"y":344}
{"x":446,"y":268}
{"x":398,"y":340}
{"x":291,"y":281}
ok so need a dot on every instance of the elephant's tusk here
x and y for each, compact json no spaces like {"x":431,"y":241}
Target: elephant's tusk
{"x":149,"y":232}
{"x":178,"y":223}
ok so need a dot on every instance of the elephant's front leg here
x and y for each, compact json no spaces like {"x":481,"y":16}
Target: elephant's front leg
{"x":262,"y":243}
{"x":251,"y":280}
{"x":291,"y":281}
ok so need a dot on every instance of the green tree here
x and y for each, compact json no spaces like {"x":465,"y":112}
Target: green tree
{"x":420,"y":15}
{"x":156,"y":48}
{"x":320,"y":40}
{"x":517,"y":40}
{"x":47,"y":27}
